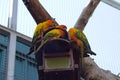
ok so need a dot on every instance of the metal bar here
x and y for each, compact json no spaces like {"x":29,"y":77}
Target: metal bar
{"x":11,"y":56}
{"x":12,"y":23}
{"x":112,"y":3}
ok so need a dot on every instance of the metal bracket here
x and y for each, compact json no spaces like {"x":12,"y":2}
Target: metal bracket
{"x":112,"y":3}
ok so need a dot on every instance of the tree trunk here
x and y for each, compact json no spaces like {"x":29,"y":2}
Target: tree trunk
{"x":86,"y":14}
{"x":93,"y":72}
{"x":37,"y":11}
{"x":90,"y":71}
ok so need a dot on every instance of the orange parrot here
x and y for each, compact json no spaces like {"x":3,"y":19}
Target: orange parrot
{"x":39,"y":31}
{"x":41,"y":28}
{"x":57,"y":32}
{"x":79,"y":37}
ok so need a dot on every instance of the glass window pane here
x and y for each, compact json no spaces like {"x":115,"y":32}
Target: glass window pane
{"x":25,"y":67}
{"x":3,"y":56}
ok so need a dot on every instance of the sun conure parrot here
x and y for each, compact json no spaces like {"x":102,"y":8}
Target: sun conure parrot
{"x":79,"y":37}
{"x":39,"y":31}
{"x":57,"y":32}
{"x":41,"y":28}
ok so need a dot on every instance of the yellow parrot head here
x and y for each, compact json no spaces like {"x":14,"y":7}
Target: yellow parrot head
{"x":50,"y":22}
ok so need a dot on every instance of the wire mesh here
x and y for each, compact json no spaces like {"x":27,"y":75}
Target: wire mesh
{"x":4,"y":12}
{"x":25,"y":22}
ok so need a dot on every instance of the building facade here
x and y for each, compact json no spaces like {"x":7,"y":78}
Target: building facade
{"x":14,"y":64}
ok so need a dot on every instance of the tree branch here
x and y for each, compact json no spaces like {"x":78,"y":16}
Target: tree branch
{"x":37,"y":11}
{"x":86,"y":14}
{"x":91,"y":71}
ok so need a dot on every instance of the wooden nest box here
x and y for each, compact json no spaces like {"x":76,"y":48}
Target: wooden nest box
{"x":56,"y":61}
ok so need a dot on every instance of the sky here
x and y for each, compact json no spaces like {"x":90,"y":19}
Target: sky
{"x":102,"y":29}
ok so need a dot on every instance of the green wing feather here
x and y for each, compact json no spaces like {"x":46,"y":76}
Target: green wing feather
{"x":81,"y":36}
{"x":50,"y":35}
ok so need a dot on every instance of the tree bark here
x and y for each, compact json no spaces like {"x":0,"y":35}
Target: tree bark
{"x":86,"y":14}
{"x":91,"y":71}
{"x":37,"y":11}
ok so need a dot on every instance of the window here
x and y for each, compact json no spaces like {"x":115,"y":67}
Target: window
{"x":25,"y":67}
{"x":3,"y":56}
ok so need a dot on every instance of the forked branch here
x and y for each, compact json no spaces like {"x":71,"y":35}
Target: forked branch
{"x":86,"y":14}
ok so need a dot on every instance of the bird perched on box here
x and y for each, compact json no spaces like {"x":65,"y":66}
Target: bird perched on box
{"x":57,"y":32}
{"x":81,"y":40}
{"x":79,"y":37}
{"x":39,"y":31}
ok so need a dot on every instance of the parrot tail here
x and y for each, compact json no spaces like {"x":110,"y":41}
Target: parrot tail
{"x":90,"y":52}
{"x":31,"y":50}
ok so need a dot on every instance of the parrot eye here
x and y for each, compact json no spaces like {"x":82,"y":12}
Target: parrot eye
{"x":53,"y":25}
{"x":64,"y":27}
